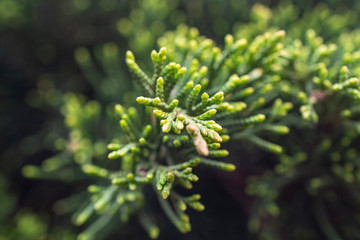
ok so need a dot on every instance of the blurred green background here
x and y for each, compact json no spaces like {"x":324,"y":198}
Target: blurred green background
{"x":43,"y":48}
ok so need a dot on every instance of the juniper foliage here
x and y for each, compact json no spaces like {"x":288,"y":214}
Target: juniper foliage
{"x":264,"y":84}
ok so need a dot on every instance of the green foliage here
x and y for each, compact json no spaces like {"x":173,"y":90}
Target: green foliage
{"x":320,"y":157}
{"x":162,"y":142}
{"x":293,"y":93}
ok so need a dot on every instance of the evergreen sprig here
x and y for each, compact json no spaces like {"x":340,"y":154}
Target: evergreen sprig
{"x":295,"y":95}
